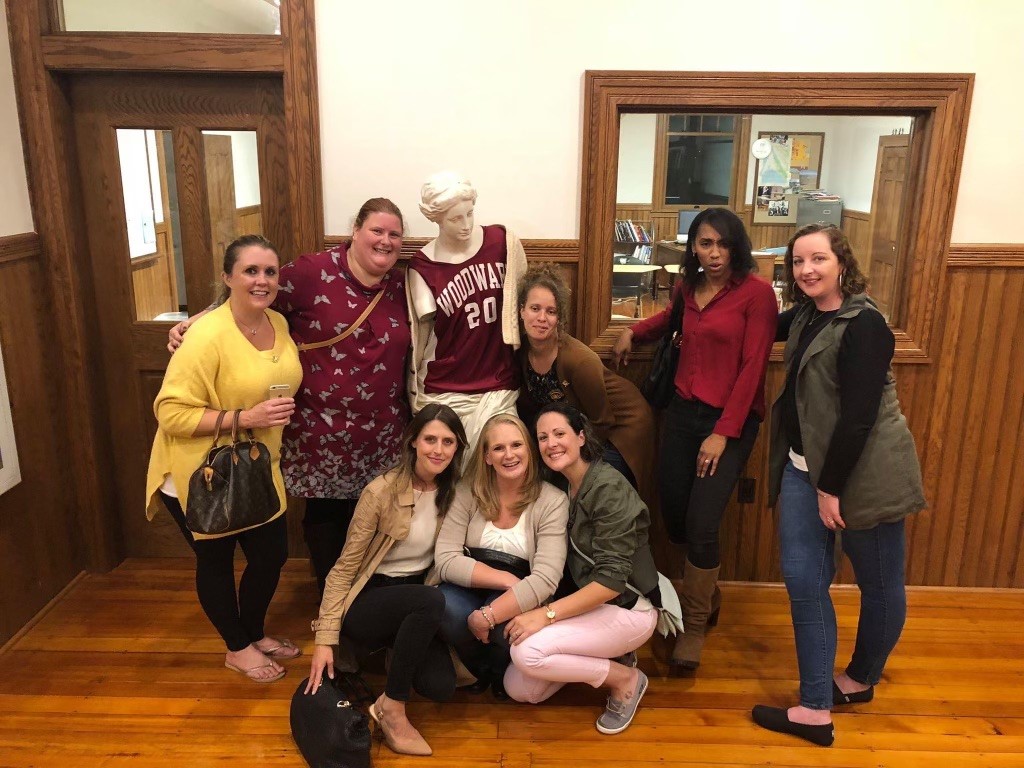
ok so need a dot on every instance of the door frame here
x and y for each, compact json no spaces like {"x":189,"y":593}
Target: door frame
{"x":43,"y":58}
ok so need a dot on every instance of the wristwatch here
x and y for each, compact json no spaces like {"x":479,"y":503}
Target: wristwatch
{"x":550,"y":613}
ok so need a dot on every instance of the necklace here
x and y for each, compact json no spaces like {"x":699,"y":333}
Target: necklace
{"x":252,"y":331}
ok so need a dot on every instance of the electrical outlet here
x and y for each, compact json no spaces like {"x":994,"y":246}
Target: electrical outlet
{"x":746,"y":489}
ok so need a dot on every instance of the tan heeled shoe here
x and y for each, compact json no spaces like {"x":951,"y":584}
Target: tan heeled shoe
{"x":403,"y":745}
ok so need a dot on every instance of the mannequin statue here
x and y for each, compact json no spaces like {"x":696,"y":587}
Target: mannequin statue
{"x":461,"y":291}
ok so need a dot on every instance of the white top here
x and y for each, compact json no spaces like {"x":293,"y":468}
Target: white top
{"x":511,"y":541}
{"x":798,"y":461}
{"x":415,"y":553}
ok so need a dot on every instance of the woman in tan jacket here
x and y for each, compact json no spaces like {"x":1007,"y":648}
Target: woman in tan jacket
{"x":376,"y":594}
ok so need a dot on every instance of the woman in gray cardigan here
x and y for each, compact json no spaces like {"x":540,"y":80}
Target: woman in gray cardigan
{"x":501,"y":549}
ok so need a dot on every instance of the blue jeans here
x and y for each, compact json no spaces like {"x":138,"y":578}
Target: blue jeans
{"x":486,"y":661}
{"x":808,"y":567}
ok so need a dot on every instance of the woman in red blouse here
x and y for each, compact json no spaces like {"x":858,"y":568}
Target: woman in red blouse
{"x":709,"y":428}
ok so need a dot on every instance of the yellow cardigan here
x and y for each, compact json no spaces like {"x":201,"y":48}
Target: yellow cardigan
{"x":216,"y":367}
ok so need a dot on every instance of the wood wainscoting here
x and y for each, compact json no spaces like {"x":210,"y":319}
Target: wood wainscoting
{"x":39,"y":531}
{"x":964,"y":408}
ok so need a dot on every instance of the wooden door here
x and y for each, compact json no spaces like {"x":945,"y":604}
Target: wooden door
{"x":133,"y":349}
{"x":886,"y":208}
{"x":220,"y":191}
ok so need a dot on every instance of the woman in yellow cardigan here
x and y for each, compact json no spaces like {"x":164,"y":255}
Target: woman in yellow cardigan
{"x":229,"y":361}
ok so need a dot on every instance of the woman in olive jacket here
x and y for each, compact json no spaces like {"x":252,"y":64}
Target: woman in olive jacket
{"x":842,"y":461}
{"x":602,"y":613}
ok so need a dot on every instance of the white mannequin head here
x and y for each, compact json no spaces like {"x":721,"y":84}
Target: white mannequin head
{"x":443,"y":191}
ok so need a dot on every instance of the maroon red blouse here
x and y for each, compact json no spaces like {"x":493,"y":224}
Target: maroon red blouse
{"x":723,"y":357}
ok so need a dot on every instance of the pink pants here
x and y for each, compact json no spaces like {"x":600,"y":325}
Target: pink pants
{"x":575,"y":650}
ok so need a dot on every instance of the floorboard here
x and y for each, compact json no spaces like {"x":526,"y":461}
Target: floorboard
{"x":124,"y":670}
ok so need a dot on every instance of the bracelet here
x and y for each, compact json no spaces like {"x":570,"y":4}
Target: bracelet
{"x":489,"y":618}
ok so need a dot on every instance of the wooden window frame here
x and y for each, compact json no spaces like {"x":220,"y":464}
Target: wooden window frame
{"x":940,"y":104}
{"x":662,"y":134}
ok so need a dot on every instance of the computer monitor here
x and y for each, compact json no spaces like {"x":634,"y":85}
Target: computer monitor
{"x":686,"y":217}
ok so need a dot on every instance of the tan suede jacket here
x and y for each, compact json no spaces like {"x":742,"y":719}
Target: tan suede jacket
{"x":376,"y":525}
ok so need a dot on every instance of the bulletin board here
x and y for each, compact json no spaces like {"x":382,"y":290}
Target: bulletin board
{"x":794,"y":165}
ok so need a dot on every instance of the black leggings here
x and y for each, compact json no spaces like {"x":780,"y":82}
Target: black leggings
{"x":693,"y":506}
{"x":406,"y":619}
{"x":237,"y":617}
{"x":324,"y":528}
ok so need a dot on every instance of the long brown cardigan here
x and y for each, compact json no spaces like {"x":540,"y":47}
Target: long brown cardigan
{"x":613,"y":405}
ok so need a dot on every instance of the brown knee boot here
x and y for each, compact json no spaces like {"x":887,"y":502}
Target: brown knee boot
{"x":700,"y":600}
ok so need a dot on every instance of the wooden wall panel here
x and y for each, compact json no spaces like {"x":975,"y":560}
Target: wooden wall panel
{"x":39,"y":533}
{"x":250,"y":220}
{"x":857,"y":228}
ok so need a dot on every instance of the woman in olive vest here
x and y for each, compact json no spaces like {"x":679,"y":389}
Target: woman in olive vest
{"x":842,"y":460}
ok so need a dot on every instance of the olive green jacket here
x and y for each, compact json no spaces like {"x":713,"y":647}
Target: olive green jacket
{"x":885,"y":484}
{"x":610,"y":524}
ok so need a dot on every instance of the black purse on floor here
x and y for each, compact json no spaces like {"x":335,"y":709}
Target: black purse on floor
{"x":234,"y":488}
{"x":329,"y":727}
{"x":659,"y":386}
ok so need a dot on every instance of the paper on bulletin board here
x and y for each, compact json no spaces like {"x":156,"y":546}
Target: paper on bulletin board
{"x":773,"y":171}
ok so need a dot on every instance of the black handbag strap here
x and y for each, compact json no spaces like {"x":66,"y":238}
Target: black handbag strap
{"x":675,"y":321}
{"x":503,"y":561}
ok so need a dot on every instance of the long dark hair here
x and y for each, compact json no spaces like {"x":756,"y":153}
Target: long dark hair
{"x":734,"y":235}
{"x":592,"y":449}
{"x":852,"y":280}
{"x":406,"y":468}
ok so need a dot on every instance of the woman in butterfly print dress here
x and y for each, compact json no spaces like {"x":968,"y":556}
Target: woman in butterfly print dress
{"x":351,"y":408}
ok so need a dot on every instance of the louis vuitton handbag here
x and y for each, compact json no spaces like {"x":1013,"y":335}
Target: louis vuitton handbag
{"x":233,"y":489}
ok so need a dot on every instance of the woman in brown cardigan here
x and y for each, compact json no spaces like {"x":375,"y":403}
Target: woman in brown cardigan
{"x":558,"y":368}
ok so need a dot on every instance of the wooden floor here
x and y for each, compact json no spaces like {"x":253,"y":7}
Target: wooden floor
{"x":124,"y":670}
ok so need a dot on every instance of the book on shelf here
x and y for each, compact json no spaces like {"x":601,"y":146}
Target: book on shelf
{"x":628,"y":231}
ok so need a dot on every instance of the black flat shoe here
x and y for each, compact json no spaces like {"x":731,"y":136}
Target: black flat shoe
{"x":776,"y":719}
{"x":859,"y":697}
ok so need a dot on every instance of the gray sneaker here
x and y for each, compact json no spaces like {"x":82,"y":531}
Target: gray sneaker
{"x":618,"y":715}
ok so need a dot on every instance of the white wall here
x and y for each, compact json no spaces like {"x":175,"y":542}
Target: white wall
{"x":15,"y":212}
{"x":495,"y":90}
{"x":849,"y":155}
{"x":637,"y":134}
{"x":853,"y":165}
{"x":240,"y":16}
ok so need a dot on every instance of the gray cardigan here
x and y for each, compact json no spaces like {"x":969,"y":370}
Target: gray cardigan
{"x":545,"y":522}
